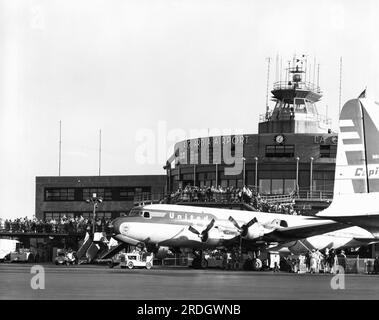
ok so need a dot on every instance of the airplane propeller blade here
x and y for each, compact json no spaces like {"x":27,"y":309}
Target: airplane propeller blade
{"x":251,"y":222}
{"x":193,"y":230}
{"x":231,"y":219}
{"x":246,"y":226}
{"x":243,"y":230}
{"x":209,"y":226}
{"x":204,"y":234}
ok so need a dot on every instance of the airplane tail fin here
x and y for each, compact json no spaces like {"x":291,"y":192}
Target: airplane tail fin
{"x":357,"y":162}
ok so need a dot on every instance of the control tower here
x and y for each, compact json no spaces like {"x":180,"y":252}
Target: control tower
{"x":295,"y":108}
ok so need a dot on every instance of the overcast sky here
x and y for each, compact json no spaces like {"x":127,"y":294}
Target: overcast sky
{"x":134,"y":67}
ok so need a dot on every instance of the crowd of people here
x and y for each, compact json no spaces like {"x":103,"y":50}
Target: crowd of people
{"x":246,"y":195}
{"x":62,"y":225}
{"x":188,"y":194}
{"x":315,"y":261}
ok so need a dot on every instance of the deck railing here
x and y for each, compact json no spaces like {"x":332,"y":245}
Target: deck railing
{"x":229,"y":197}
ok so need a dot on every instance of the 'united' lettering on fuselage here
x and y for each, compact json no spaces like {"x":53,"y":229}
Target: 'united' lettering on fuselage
{"x":188,"y":216}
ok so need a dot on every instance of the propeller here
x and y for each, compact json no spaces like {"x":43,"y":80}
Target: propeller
{"x":204,"y":234}
{"x":244,"y":228}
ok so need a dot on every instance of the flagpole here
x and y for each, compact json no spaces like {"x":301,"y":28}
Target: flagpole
{"x":100,"y":153}
{"x":340,"y":89}
{"x":60,"y":147}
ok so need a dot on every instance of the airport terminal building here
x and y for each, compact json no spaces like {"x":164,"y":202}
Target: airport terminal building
{"x":67,"y":195}
{"x":294,"y":150}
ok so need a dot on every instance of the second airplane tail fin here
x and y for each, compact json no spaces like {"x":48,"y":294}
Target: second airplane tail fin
{"x":357,"y":162}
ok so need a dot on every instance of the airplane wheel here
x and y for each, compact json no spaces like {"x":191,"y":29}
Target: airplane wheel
{"x":248,"y":265}
{"x":196,"y":263}
{"x":148,"y":265}
{"x":203,"y":264}
{"x":257,"y":264}
{"x":130,"y":265}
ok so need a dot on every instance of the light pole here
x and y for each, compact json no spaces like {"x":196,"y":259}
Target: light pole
{"x":194,"y":175}
{"x":256,"y":174}
{"x":297,"y":174}
{"x":244,"y":176}
{"x":95,"y":200}
{"x":167,"y":167}
{"x":311,"y":177}
{"x":216,"y":175}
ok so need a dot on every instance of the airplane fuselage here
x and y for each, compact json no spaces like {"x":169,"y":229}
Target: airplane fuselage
{"x":169,"y":225}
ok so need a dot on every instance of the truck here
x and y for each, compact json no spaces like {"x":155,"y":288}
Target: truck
{"x":132,"y":260}
{"x":7,"y":246}
{"x":22,"y":255}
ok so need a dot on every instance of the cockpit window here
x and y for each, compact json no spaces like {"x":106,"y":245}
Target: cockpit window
{"x":135,"y":212}
{"x":146,"y":215}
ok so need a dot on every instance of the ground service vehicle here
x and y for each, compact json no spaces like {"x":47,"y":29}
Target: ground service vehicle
{"x":22,"y":255}
{"x":133,"y":260}
{"x":64,"y":257}
{"x":6,"y":247}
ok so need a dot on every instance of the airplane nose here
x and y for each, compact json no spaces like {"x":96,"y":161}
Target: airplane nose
{"x":115,"y":224}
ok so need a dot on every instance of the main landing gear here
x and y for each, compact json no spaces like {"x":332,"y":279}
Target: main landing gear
{"x":253,"y":262}
{"x":199,"y":262}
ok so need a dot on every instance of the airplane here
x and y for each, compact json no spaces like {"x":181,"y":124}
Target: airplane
{"x":201,"y":228}
{"x":177,"y":226}
{"x":356,"y":187}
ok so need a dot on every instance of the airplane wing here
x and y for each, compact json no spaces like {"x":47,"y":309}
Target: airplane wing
{"x":286,"y":234}
{"x":367,"y":240}
{"x":301,"y":232}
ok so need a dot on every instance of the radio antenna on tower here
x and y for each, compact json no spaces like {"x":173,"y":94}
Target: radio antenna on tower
{"x":100,"y":152}
{"x":340,"y":89}
{"x":60,"y":147}
{"x":267,"y":88}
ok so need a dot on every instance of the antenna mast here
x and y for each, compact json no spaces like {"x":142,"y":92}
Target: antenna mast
{"x":60,"y":147}
{"x":267,"y":88}
{"x":277,"y":68}
{"x":340,"y":89}
{"x":99,"y":152}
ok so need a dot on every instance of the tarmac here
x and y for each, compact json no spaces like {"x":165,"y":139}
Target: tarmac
{"x":87,"y":282}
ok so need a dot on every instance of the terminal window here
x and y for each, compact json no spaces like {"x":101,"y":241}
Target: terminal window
{"x":280,"y":151}
{"x":105,"y":193}
{"x":85,"y":214}
{"x":276,"y":186}
{"x":328,"y":151}
{"x":82,"y":194}
{"x":59,"y":194}
{"x":127,"y":194}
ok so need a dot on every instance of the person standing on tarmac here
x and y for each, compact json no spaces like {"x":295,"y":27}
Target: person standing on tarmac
{"x":224,"y":260}
{"x":276,"y":262}
{"x":229,"y":260}
{"x":326,"y":261}
{"x":376,"y":265}
{"x":332,"y":261}
{"x":313,"y":262}
{"x":307,"y":261}
{"x":343,"y":259}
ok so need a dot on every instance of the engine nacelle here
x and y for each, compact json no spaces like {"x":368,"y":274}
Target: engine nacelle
{"x":277,"y":223}
{"x":255,"y":231}
{"x":215,"y":236}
